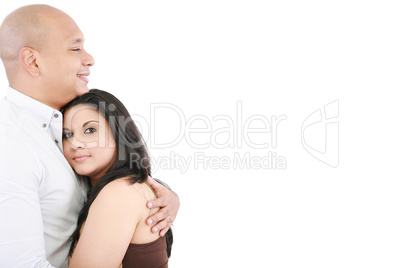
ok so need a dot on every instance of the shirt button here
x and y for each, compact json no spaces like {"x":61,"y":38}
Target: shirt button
{"x":56,"y":115}
{"x":56,"y":141}
{"x":44,"y":125}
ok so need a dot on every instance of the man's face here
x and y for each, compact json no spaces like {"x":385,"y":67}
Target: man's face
{"x":64,"y":64}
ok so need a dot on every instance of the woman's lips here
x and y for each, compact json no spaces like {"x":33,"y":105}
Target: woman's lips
{"x":81,"y":158}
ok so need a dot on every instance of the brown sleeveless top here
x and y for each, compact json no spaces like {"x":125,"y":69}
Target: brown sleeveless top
{"x":149,"y":255}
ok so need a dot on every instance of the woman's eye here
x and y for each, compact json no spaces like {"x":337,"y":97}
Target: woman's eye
{"x":67,"y":135}
{"x":90,"y":130}
{"x":76,"y":49}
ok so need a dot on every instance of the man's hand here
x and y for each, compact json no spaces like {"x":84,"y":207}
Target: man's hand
{"x":168,"y":203}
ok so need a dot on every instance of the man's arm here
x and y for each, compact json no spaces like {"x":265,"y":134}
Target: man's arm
{"x":22,"y":241}
{"x":168,"y":202}
{"x":162,"y":183}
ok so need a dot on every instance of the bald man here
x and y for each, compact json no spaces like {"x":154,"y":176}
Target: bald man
{"x":42,"y":50}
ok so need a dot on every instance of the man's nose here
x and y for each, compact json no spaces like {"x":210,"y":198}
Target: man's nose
{"x":88,"y":60}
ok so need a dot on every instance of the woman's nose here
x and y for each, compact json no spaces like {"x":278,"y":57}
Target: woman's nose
{"x":75,"y":143}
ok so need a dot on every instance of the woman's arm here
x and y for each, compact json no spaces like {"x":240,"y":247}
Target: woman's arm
{"x":109,"y":227}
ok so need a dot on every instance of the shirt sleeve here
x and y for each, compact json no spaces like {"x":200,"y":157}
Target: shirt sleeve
{"x":164,"y":184}
{"x":22,"y":242}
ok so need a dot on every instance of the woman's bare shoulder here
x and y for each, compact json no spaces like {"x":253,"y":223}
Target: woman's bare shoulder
{"x":119,"y":190}
{"x":124,"y":188}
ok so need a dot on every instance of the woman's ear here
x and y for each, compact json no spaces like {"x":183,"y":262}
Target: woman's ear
{"x":28,"y":58}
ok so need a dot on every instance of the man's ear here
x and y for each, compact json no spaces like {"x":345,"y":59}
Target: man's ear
{"x":28,"y":58}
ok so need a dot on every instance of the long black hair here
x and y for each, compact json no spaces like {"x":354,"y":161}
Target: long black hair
{"x":132,"y":158}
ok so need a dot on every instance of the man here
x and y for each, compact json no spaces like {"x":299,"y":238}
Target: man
{"x":46,"y":65}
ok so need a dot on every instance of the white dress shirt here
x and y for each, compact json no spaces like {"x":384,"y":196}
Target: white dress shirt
{"x":40,"y":198}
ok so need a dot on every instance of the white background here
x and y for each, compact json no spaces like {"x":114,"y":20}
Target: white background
{"x":277,"y":58}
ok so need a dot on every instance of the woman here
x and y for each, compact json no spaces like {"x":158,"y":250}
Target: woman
{"x":103,"y":145}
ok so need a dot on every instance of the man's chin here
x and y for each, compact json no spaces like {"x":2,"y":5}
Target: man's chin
{"x":83,"y":91}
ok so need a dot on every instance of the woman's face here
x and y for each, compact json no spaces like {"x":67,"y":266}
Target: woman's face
{"x":88,"y":142}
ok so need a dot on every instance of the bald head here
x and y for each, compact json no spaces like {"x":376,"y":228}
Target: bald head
{"x":42,"y":49}
{"x":25,"y":27}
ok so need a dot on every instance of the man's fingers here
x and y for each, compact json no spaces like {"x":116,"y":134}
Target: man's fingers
{"x":154,"y":184}
{"x":162,"y":227}
{"x":164,"y":231}
{"x":168,"y":203}
{"x":157,"y":203}
{"x":158,"y":216}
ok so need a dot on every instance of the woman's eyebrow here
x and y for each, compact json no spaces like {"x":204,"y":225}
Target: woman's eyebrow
{"x":66,"y":129}
{"x":86,"y":123}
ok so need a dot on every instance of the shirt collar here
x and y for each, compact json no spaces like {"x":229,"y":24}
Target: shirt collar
{"x":36,"y":109}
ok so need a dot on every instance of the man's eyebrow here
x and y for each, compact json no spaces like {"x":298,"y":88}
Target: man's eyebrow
{"x":86,"y":123}
{"x":76,"y":41}
{"x":66,"y":129}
